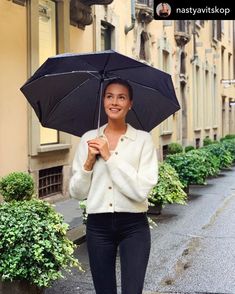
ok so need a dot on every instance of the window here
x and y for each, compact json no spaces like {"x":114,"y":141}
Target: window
{"x":50,"y":181}
{"x":229,"y":66}
{"x":183,"y":63}
{"x":207,"y":100}
{"x":197,"y":97}
{"x":164,"y":151}
{"x":216,"y":30}
{"x":222,"y":26}
{"x":222,"y":62}
{"x":198,"y":143}
{"x":214,"y":100}
{"x":165,"y":63}
{"x":146,"y":2}
{"x":143,"y":43}
{"x":166,"y":125}
{"x":47,"y":48}
{"x":182,"y":26}
{"x":106,"y":36}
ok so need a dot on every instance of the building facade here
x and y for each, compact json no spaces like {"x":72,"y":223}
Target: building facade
{"x":198,"y":54}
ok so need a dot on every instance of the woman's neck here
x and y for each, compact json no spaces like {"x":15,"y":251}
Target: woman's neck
{"x":116,"y":127}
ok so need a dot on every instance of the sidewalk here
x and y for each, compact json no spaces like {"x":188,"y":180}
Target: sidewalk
{"x":73,"y":217}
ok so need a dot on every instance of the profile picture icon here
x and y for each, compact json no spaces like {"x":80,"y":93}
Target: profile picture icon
{"x":163,"y":9}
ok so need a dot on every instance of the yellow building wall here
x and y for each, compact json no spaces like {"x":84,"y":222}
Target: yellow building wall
{"x":13,"y":73}
{"x":81,"y":40}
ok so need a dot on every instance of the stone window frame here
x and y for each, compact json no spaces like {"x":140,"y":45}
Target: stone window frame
{"x":62,"y":13}
{"x":166,"y":127}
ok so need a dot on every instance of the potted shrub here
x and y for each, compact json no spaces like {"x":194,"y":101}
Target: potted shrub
{"x":211,"y":162}
{"x":188,"y":148}
{"x":82,"y":205}
{"x":34,"y":248}
{"x":174,"y":148}
{"x":224,"y":156}
{"x":190,"y":168}
{"x":228,"y":137}
{"x":229,"y":145}
{"x":207,"y":141}
{"x":168,"y":190}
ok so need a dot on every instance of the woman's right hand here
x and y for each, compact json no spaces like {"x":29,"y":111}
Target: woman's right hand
{"x":91,"y":158}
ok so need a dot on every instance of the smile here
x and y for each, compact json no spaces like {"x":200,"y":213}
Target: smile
{"x":114,"y":109}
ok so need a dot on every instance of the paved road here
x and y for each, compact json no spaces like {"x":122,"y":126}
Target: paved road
{"x":193,"y":246}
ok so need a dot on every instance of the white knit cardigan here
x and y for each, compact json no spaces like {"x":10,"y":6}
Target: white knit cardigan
{"x":123,"y":182}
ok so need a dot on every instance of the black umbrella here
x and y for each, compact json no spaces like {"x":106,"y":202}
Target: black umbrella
{"x":66,"y":91}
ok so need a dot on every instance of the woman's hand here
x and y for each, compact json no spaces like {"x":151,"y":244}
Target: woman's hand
{"x":100,"y":145}
{"x":91,"y":158}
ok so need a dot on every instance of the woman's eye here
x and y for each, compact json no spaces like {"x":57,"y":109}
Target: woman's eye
{"x":122,"y":97}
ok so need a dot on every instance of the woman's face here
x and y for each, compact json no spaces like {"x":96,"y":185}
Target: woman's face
{"x":117,"y":101}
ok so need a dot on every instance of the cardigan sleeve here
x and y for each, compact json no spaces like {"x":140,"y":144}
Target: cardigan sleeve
{"x":135,"y":184}
{"x":81,"y":179}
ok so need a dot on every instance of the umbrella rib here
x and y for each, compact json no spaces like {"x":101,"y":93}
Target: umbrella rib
{"x":56,"y":105}
{"x":61,"y":73}
{"x":68,"y":73}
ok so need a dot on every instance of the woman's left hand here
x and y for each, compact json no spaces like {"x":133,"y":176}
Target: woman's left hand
{"x":102,"y":146}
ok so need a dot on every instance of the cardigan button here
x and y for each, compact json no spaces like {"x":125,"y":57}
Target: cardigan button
{"x":110,"y":188}
{"x":122,"y":139}
{"x":110,"y":204}
{"x":116,"y":153}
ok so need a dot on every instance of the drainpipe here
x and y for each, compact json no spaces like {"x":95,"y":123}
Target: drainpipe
{"x":131,"y":27}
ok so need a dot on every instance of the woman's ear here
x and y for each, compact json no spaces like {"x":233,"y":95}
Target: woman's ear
{"x":131,"y":104}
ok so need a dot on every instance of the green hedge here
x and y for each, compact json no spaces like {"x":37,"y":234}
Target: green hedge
{"x":174,"y":148}
{"x":210,"y":161}
{"x":224,"y":156}
{"x":189,"y":166}
{"x":169,"y":189}
{"x":229,"y":145}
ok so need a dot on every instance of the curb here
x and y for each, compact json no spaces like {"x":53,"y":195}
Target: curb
{"x":77,"y":234}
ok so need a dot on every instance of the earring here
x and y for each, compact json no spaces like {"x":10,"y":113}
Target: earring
{"x":129,"y":108}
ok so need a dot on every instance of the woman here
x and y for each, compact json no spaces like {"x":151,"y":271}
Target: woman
{"x":115,"y":172}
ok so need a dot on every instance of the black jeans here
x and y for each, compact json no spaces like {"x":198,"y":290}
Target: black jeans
{"x":105,"y":233}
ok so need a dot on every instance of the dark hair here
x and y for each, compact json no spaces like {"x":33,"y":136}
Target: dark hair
{"x":120,"y":82}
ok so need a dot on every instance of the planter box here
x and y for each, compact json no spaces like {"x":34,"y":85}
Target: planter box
{"x":19,"y":287}
{"x":155,"y":209}
{"x":186,"y":189}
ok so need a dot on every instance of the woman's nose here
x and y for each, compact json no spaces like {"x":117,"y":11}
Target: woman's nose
{"x":114,"y":101}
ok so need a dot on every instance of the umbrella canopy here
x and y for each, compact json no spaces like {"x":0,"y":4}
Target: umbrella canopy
{"x":66,"y":91}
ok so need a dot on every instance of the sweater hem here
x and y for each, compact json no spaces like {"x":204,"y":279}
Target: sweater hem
{"x":116,"y":210}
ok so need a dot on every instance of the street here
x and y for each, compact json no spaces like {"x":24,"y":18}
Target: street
{"x":193,"y":246}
